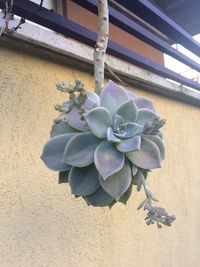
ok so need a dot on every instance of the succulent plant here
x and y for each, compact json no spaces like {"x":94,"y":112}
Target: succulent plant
{"x":102,"y":146}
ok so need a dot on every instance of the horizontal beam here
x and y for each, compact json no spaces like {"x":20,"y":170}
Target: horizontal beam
{"x":156,"y":18}
{"x":53,"y":21}
{"x":133,"y":28}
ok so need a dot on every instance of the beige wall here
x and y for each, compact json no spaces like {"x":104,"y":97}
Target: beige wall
{"x":42,"y":225}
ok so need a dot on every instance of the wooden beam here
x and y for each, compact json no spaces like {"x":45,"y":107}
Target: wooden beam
{"x":68,"y":28}
{"x":155,"y":17}
{"x":133,"y":28}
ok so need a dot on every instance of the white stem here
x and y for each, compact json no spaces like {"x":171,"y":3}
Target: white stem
{"x":101,"y":44}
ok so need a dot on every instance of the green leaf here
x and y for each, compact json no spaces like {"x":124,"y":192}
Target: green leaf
{"x":117,"y":184}
{"x":148,"y":157}
{"x":108,"y":159}
{"x":143,"y":102}
{"x":125,"y":197}
{"x":99,"y":198}
{"x":132,"y":129}
{"x":99,"y":119}
{"x":129,"y":129}
{"x":53,"y":152}
{"x":61,"y":128}
{"x":118,"y":121}
{"x":74,"y":120}
{"x":134,"y":169}
{"x":84,"y":181}
{"x":128,"y":111}
{"x":112,"y":96}
{"x":138,"y":179}
{"x":158,"y":141}
{"x":79,"y":152}
{"x":111,"y":137}
{"x":131,"y":144}
{"x":63,"y":177}
{"x":94,"y":97}
{"x":145,"y":115}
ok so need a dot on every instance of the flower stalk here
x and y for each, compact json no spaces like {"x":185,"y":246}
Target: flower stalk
{"x":155,"y":213}
{"x":101,"y":45}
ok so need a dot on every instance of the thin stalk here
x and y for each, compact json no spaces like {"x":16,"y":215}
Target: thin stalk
{"x":101,"y":45}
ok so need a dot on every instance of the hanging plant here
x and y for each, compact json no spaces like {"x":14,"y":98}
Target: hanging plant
{"x":103,"y":143}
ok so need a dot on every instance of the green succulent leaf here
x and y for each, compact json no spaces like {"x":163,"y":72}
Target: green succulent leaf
{"x":61,"y":128}
{"x":118,"y":121}
{"x":94,"y":97}
{"x":125,"y":197}
{"x":142,"y":102}
{"x":158,"y":141}
{"x":117,"y":184}
{"x":99,"y":198}
{"x":63,"y":177}
{"x":74,"y":120}
{"x":145,"y":115}
{"x":137,"y":180}
{"x":128,"y":111}
{"x":131,"y":144}
{"x":108,"y":160}
{"x":53,"y":152}
{"x":111,"y":137}
{"x":148,"y":157}
{"x":99,"y":119}
{"x":132,"y":129}
{"x":112,"y":96}
{"x":134,"y":169}
{"x":84,"y":181}
{"x":79,"y":152}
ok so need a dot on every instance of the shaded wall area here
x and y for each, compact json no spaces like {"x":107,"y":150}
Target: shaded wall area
{"x":41,"y":224}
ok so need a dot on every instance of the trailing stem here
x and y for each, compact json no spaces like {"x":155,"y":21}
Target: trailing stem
{"x":155,"y":213}
{"x":101,"y":44}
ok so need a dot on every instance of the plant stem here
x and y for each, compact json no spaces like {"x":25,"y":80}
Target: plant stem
{"x":146,"y":191}
{"x":101,"y":45}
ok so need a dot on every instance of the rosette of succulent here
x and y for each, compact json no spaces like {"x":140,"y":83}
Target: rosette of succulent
{"x":102,"y":146}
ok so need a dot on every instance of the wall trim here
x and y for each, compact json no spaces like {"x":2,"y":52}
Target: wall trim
{"x":40,"y":36}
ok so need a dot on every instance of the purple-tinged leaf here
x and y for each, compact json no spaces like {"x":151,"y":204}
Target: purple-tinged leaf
{"x":128,"y":111}
{"x":84,"y":181}
{"x":74,"y":120}
{"x":148,"y":157}
{"x":143,"y":102}
{"x":131,"y":144}
{"x":53,"y":152}
{"x":134,"y":170}
{"x":62,"y":128}
{"x":111,"y":137}
{"x":99,"y":120}
{"x":158,"y":141}
{"x":117,"y":184}
{"x":99,"y":198}
{"x":108,"y":159}
{"x":79,"y":152}
{"x":112,"y":96}
{"x":145,"y":115}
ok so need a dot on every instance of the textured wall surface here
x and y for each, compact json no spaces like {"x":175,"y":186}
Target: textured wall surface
{"x":42,"y":225}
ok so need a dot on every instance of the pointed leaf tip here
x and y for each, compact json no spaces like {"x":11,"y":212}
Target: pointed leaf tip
{"x":84,"y":181}
{"x":53,"y":152}
{"x":108,"y":159}
{"x":117,"y":184}
{"x":148,"y":157}
{"x":99,"y":120}
{"x":79,"y":152}
{"x":112,"y":96}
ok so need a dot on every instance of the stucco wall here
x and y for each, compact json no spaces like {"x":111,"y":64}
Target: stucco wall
{"x":42,"y":225}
